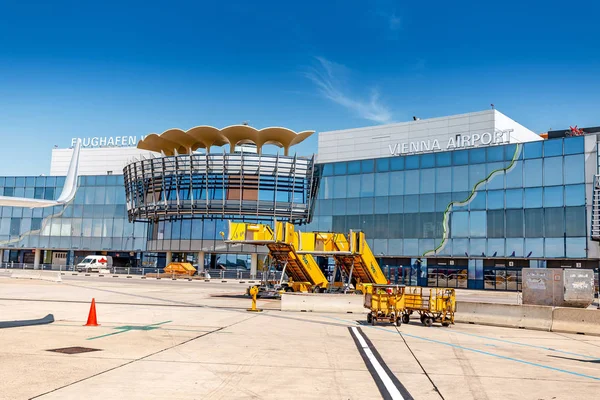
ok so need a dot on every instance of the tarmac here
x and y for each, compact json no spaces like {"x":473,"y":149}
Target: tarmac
{"x":195,"y":340}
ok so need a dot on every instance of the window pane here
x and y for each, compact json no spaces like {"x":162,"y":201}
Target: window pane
{"x":428,"y":180}
{"x":533,"y":149}
{"x":574,"y":169}
{"x":514,"y":223}
{"x":575,"y":221}
{"x":533,"y":172}
{"x":575,"y":195}
{"x":396,"y":226}
{"x":514,"y":198}
{"x":443,"y":180}
{"x":427,"y":203}
{"x":477,"y":155}
{"x":339,"y":207}
{"x":352,"y":206}
{"x":495,"y":199}
{"x":339,"y":168}
{"x":576,"y":247}
{"x":495,"y":224}
{"x":460,"y":179}
{"x":514,"y":176}
{"x":555,"y":247}
{"x":412,"y":204}
{"x":533,"y":197}
{"x":396,"y":204}
{"x":479,"y":200}
{"x":477,"y":247}
{"x":381,"y":205}
{"x":397,"y":183}
{"x":411,"y":162}
{"x":382,"y":184}
{"x":553,"y":147}
{"x":411,"y":185}
{"x":495,"y":153}
{"x":382,"y":164}
{"x":534,"y":223}
{"x":553,"y":196}
{"x":366,"y":205}
{"x":478,"y":223}
{"x":534,"y":247}
{"x":427,"y":160}
{"x":353,"y":185}
{"x":514,"y":247}
{"x":496,"y":181}
{"x":397,"y":164}
{"x":553,"y":171}
{"x":459,"y":222}
{"x":328,"y":170}
{"x":412,"y":225}
{"x":443,"y":159}
{"x":460,"y":157}
{"x":339,"y":187}
{"x":367,"y":185}
{"x":495,"y":247}
{"x":354,"y":167}
{"x":367,"y":166}
{"x":442,"y":200}
{"x":555,"y":222}
{"x":476,"y":174}
{"x":574,"y":145}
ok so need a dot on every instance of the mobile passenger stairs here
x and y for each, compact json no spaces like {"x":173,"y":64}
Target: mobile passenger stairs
{"x":302,"y":270}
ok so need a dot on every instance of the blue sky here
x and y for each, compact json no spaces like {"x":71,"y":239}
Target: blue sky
{"x":80,"y":69}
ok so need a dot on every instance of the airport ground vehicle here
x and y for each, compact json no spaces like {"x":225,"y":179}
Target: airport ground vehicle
{"x":304,"y":274}
{"x":432,"y":304}
{"x":351,"y":253}
{"x":180,"y":268}
{"x":94,"y":263}
{"x":386,"y":302}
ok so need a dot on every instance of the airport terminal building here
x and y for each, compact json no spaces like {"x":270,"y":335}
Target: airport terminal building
{"x":469,"y":199}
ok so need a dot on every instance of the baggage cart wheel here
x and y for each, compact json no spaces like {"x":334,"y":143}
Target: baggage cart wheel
{"x":369,"y":318}
{"x":373,"y":321}
{"x":445,"y":323}
{"x":398,"y":321}
{"x":428,"y":322}
{"x":422,"y":318}
{"x":405,"y":318}
{"x":289,"y":289}
{"x":317,"y":289}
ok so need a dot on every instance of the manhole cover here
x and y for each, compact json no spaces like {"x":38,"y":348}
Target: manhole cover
{"x":74,"y":350}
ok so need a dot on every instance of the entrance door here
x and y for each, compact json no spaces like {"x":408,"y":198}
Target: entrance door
{"x":59,"y":258}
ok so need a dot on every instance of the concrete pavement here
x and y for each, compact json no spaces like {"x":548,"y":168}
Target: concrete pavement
{"x":192,"y":340}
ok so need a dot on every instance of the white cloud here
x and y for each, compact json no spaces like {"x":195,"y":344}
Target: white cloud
{"x":329,"y":79}
{"x":394,"y":22}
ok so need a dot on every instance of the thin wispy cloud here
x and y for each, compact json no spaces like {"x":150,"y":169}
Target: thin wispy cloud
{"x":330,"y":80}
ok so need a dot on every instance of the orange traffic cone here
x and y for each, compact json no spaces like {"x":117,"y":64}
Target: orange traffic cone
{"x":92,"y":321}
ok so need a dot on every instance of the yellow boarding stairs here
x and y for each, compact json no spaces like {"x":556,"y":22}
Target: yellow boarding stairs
{"x":302,"y":270}
{"x":351,"y":253}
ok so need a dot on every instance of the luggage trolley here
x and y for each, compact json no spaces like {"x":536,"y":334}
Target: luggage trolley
{"x":386,"y":302}
{"x":433,"y":305}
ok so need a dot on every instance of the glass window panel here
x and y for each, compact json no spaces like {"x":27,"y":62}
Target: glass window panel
{"x":514,"y":198}
{"x":533,"y":172}
{"x":426,"y":245}
{"x":495,"y":248}
{"x":534,"y":223}
{"x":553,"y":196}
{"x":443,"y":180}
{"x":411,"y":247}
{"x":514,"y":176}
{"x":96,"y":227}
{"x":396,"y":226}
{"x":19,"y":192}
{"x":397,"y":163}
{"x":478,"y":201}
{"x":533,"y":197}
{"x":427,"y":160}
{"x":325,"y":207}
{"x":555,"y":247}
{"x":428,"y":180}
{"x":396,"y":204}
{"x":496,"y":181}
{"x":477,"y":156}
{"x":514,"y":223}
{"x":459,"y":222}
{"x":327,"y":169}
{"x":382,"y":184}
{"x":380,"y":228}
{"x":574,"y":145}
{"x":514,"y":247}
{"x":460,"y":179}
{"x":367,"y":166}
{"x":367,"y":185}
{"x":460,"y":157}
{"x":495,"y":199}
{"x":367,"y":225}
{"x":76,"y":227}
{"x":553,"y":171}
{"x":411,"y":182}
{"x":575,"y":221}
{"x":576,"y":247}
{"x":442,"y":200}
{"x":107,"y":228}
{"x":19,"y":181}
{"x":339,"y":168}
{"x":412,"y":204}
{"x":366,"y":205}
{"x":533,"y":149}
{"x":460,"y":247}
{"x":352,"y":206}
{"x":382,"y":164}
{"x":412,"y":225}
{"x":118,"y":224}
{"x":339,"y":187}
{"x":495,"y":153}
{"x":443,"y":159}
{"x":411,"y":162}
{"x":554,"y":222}
{"x":353,"y":186}
{"x":478,"y":224}
{"x":477,"y":247}
{"x":381,"y":205}
{"x":354,"y":167}
{"x":534,"y":247}
{"x":574,"y":169}
{"x":575,"y":195}
{"x":553,"y":147}
{"x":339,"y":206}
{"x":495,"y":224}
{"x":427,"y":203}
{"x":397,"y":183}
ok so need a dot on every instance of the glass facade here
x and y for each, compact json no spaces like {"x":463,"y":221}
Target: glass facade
{"x":501,"y":201}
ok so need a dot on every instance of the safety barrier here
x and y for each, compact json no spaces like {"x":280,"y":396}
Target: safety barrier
{"x":333,"y":303}
{"x":50,"y":276}
{"x":509,"y":315}
{"x":576,"y":320}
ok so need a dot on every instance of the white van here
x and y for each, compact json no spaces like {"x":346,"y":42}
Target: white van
{"x":94,"y":263}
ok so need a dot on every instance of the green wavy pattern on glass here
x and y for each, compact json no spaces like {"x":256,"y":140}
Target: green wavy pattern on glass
{"x":468,"y":199}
